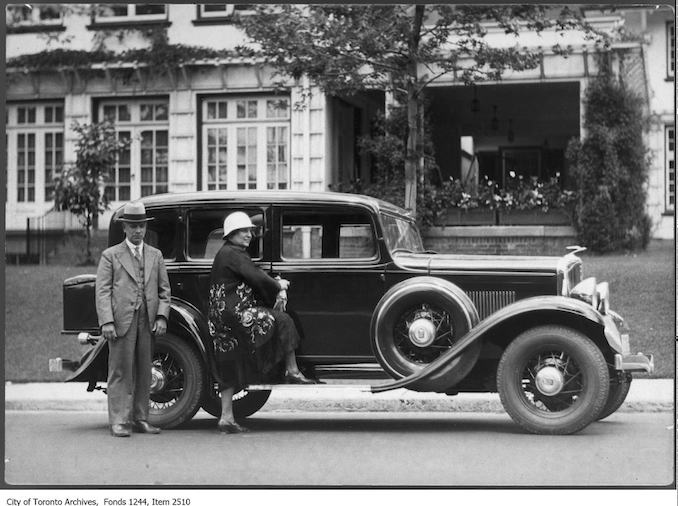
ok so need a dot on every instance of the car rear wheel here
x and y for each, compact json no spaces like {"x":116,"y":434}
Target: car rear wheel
{"x":553,"y":380}
{"x":619,"y":389}
{"x":419,"y":320}
{"x":245,"y":402}
{"x":176,"y":384}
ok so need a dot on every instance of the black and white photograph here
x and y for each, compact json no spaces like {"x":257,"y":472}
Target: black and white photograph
{"x":345,"y":252}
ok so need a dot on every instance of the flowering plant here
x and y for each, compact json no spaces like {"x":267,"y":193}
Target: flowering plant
{"x":518,"y":193}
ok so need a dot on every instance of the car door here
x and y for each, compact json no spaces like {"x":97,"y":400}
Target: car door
{"x":203,"y":238}
{"x":330,"y":254}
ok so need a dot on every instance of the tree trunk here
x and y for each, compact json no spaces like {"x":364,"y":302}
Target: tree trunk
{"x":413,"y":154}
{"x":88,"y":226}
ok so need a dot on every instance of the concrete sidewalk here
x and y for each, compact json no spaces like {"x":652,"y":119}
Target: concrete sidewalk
{"x":645,"y":395}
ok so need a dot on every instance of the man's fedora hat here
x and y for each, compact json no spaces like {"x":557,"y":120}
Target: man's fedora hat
{"x":134,"y":212}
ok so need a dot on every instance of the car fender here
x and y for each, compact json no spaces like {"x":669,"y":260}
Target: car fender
{"x":185,"y":320}
{"x":549,"y":306}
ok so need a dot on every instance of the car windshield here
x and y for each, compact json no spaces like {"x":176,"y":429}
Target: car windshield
{"x":401,"y":234}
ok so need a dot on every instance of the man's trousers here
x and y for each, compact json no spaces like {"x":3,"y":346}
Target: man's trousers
{"x":129,"y":371}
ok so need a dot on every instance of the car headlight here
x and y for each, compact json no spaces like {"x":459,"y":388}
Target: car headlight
{"x":586,"y":291}
{"x":603,"y":290}
{"x":596,"y":294}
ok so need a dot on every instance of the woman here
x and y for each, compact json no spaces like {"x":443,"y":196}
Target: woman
{"x":251,"y":340}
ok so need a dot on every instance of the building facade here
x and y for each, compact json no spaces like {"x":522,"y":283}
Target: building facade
{"x":221,"y":122}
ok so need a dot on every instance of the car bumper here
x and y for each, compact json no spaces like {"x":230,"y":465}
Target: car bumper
{"x":619,"y":341}
{"x":59,"y":364}
{"x":634,"y":363}
{"x":62,"y":364}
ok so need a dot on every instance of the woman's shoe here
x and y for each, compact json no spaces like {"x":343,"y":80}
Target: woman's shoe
{"x":231,"y":428}
{"x":298,"y":379}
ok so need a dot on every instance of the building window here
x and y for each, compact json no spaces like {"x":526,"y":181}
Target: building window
{"x":25,"y":156}
{"x":670,"y":150}
{"x":33,"y":15}
{"x":671,"y":49}
{"x":247,"y":158}
{"x":154,"y":168}
{"x":257,"y":131}
{"x":217,"y":158}
{"x":222,"y":11}
{"x":131,"y":12}
{"x":26,"y":115}
{"x":277,"y":156}
{"x":54,"y":160}
{"x":143,"y":167}
{"x":54,"y":114}
{"x":119,"y":184}
{"x":35,"y":150}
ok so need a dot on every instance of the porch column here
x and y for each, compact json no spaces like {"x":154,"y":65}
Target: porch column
{"x":183,"y":146}
{"x":308,"y":126}
{"x":583,"y":86}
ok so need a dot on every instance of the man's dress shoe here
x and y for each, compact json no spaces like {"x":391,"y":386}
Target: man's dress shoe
{"x":119,"y":430}
{"x":145,"y":428}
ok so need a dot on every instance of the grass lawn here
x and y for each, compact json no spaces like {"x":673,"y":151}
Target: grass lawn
{"x":642,"y":290}
{"x":33,"y":321}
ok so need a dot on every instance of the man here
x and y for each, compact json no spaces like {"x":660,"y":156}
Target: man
{"x":133,"y":305}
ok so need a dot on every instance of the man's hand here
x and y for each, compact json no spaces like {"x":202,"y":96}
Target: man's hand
{"x":108,"y":331}
{"x":284,"y":284}
{"x":159,"y":327}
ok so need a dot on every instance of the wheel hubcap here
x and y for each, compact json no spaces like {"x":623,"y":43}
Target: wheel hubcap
{"x":422,"y":332}
{"x":158,"y":380}
{"x":549,"y":381}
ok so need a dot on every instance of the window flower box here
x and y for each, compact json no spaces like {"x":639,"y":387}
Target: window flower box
{"x":469,"y":217}
{"x":534,"y":217}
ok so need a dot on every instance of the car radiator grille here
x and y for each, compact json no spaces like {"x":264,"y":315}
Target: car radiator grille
{"x":489,"y":301}
{"x":574,"y":275}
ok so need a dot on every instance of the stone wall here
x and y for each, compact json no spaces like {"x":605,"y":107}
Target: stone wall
{"x":498,"y":240}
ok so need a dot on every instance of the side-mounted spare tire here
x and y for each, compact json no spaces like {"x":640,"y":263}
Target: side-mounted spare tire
{"x":417,"y":321}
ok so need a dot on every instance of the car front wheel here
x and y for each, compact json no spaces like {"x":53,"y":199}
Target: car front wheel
{"x":176,"y":382}
{"x":619,"y":389}
{"x":553,"y":380}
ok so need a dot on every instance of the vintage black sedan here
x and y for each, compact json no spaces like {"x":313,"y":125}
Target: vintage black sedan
{"x":370,"y":302}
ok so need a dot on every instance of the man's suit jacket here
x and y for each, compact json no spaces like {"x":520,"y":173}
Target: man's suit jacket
{"x":116,"y":286}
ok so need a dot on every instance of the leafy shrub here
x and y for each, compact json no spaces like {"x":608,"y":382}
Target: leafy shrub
{"x":610,"y":168}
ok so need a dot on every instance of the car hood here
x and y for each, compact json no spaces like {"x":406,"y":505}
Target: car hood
{"x":450,"y":262}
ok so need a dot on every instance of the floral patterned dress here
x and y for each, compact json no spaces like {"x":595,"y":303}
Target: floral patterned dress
{"x":250,"y":339}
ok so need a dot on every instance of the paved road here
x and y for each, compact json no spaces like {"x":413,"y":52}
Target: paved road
{"x":340,"y":449}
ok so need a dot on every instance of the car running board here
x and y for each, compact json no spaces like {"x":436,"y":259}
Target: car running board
{"x":316,"y":386}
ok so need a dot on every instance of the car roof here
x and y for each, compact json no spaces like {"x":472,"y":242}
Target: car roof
{"x":268,"y":196}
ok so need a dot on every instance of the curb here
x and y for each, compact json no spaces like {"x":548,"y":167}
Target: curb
{"x":645,"y":396}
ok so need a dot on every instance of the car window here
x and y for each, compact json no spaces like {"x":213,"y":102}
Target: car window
{"x":205,"y":232}
{"x":330,"y":233}
{"x":161,"y":231}
{"x":400,"y":234}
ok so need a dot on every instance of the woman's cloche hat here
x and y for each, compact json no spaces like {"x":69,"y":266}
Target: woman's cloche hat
{"x":134,"y":212}
{"x":236,"y":221}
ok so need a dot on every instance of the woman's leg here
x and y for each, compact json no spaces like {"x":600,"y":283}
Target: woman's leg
{"x":227,"y":423}
{"x":227,"y":405}
{"x":291,"y":363}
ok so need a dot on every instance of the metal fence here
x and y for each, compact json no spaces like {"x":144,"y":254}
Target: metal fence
{"x":42,"y":236}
